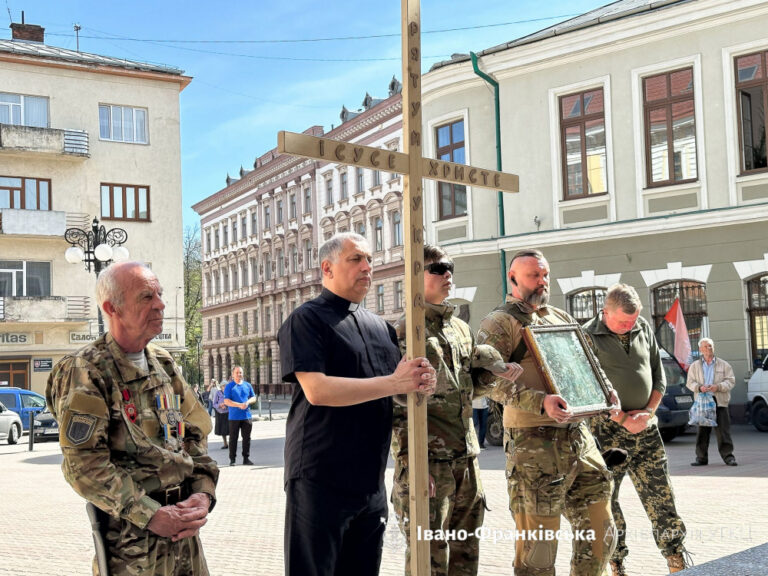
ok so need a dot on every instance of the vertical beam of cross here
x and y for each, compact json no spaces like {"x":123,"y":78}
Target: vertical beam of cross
{"x":418,"y":473}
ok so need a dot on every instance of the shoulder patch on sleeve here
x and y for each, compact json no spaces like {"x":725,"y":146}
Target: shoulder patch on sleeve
{"x":80,"y":428}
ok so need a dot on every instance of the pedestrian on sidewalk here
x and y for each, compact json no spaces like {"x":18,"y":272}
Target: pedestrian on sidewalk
{"x":133,"y":435}
{"x":480,"y":418}
{"x":345,"y":365}
{"x":238,"y":396}
{"x":626,"y":347}
{"x":221,"y":427}
{"x":714,"y":375}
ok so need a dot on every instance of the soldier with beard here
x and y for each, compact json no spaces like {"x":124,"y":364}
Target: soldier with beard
{"x":553,"y":465}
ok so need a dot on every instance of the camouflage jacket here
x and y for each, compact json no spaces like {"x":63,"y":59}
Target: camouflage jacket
{"x":449,"y":347}
{"x":125,"y":433}
{"x":524,"y":399}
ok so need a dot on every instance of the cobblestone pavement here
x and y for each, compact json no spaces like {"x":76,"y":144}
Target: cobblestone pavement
{"x":45,"y":530}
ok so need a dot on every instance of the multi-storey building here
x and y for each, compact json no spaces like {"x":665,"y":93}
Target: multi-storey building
{"x":638,"y":131}
{"x":261,"y":233}
{"x":81,"y":136}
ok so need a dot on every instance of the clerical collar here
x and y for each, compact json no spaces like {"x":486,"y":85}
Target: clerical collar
{"x":338,"y":303}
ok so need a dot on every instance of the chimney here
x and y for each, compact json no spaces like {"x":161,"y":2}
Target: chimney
{"x":30,"y":32}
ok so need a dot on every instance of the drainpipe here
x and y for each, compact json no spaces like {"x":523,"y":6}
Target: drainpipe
{"x":500,"y":196}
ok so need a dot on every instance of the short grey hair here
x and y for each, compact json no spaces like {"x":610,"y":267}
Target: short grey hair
{"x":707,"y":341}
{"x":331,"y":248}
{"x":624,"y":297}
{"x":108,"y":288}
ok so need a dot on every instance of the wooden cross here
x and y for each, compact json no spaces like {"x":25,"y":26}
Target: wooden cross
{"x":413,"y":167}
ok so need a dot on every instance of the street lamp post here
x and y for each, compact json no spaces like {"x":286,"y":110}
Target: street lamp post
{"x":198,"y":339}
{"x":96,"y":247}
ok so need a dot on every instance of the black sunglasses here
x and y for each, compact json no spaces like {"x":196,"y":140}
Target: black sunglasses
{"x":439,"y":268}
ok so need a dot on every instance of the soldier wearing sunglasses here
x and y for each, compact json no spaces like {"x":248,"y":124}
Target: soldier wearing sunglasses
{"x":456,"y":499}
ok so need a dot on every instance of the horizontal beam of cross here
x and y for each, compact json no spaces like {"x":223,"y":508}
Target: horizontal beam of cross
{"x":391,"y":161}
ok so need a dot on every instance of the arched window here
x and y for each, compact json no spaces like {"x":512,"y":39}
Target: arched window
{"x":693,"y":299}
{"x":228,"y":373}
{"x":219,"y":369}
{"x":585,"y":304}
{"x":757,"y":310}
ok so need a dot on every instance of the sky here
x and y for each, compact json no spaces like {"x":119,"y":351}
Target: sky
{"x":260,"y":67}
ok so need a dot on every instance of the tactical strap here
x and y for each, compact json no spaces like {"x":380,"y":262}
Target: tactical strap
{"x":512,"y":309}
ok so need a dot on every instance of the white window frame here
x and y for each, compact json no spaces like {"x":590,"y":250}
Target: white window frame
{"x":21,"y":105}
{"x":123,"y":109}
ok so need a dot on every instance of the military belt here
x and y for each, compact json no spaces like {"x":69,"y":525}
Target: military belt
{"x":171,"y":494}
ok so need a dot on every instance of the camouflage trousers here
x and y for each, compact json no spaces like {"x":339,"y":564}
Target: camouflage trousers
{"x":458,"y":504}
{"x":133,"y":551}
{"x":552,"y":472}
{"x":649,"y":471}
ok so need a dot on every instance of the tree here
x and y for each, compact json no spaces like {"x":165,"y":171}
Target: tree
{"x":193,"y":300}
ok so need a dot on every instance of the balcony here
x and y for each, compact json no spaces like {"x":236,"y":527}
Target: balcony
{"x":33,"y":222}
{"x":49,"y":141}
{"x":44,"y":309}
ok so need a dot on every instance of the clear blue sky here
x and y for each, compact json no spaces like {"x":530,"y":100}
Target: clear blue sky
{"x":242,"y":94}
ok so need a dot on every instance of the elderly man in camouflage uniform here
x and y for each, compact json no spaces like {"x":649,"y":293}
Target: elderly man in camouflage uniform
{"x":553,"y":465}
{"x":133,"y":434}
{"x":456,"y":495}
{"x":626,"y":347}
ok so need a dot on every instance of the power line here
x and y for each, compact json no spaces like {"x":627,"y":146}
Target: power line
{"x":328,"y":39}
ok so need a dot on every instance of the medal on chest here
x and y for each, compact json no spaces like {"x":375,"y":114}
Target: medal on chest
{"x":129,"y":407}
{"x":169,"y":406}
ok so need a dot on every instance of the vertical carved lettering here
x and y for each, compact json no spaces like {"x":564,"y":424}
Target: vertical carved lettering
{"x":433,"y":165}
{"x":416,"y":201}
{"x":339,"y":152}
{"x":446,"y":170}
{"x":497,"y":180}
{"x":358,"y":153}
{"x":418,"y":301}
{"x":418,"y":333}
{"x":415,"y":108}
{"x":417,"y":233}
{"x":375,"y":158}
{"x":458,"y":173}
{"x":415,"y":138}
{"x":414,"y":79}
{"x":417,"y":268}
{"x":414,"y":54}
{"x":413,"y":28}
{"x":391,"y":161}
{"x":472,"y":177}
{"x":484,"y":174}
{"x":322,"y":147}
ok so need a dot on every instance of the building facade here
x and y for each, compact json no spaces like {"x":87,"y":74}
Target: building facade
{"x":81,"y":136}
{"x":261,"y":234}
{"x":638,"y":132}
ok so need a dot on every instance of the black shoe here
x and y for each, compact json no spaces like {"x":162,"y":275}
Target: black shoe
{"x":731,"y":462}
{"x":247,"y":462}
{"x":224,"y":447}
{"x":232,"y":463}
{"x":699,"y":463}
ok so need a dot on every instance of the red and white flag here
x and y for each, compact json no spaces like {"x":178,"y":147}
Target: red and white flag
{"x":676,"y":321}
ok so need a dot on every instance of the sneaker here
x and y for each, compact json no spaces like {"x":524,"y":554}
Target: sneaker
{"x":731,"y":462}
{"x":232,"y":463}
{"x":247,"y":462}
{"x":698,"y":463}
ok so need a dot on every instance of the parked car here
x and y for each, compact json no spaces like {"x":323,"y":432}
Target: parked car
{"x":10,"y":425}
{"x":672,"y":412}
{"x":757,"y":397}
{"x":23,"y":402}
{"x":46,"y":426}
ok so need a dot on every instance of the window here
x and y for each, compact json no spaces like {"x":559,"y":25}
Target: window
{"x":254,"y":270}
{"x":399,"y":295}
{"x":376,"y":178}
{"x":328,"y":192}
{"x":292,"y":206}
{"x":379,"y":236}
{"x":218,"y":328}
{"x":757,"y":308}
{"x":234,"y":231}
{"x":255,"y":320}
{"x":254,"y":222}
{"x":236,"y":326}
{"x":23,"y":278}
{"x":245,"y":323}
{"x":359,"y":228}
{"x":216,"y":237}
{"x":279,"y":212}
{"x":25,"y":193}
{"x":343,"y":178}
{"x":585,"y":304}
{"x":225,"y":233}
{"x":752,"y":99}
{"x":267,"y":267}
{"x":244,"y":229}
{"x":226,"y":326}
{"x":397,"y":229}
{"x":280,"y":262}
{"x":280,"y":314}
{"x":225,"y":287}
{"x":360,"y":187}
{"x":125,"y":202}
{"x":208,"y":241}
{"x":22,"y":110}
{"x":216,"y":283}
{"x":670,"y":128}
{"x":307,"y":200}
{"x":307,"y":254}
{"x":380,"y":298}
{"x":582,"y":136}
{"x":452,"y":198}
{"x":294,"y":259}
{"x":267,"y":217}
{"x":210,"y":329}
{"x":244,"y":274}
{"x":693,"y":299}
{"x":267,"y":319}
{"x":123,"y":124}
